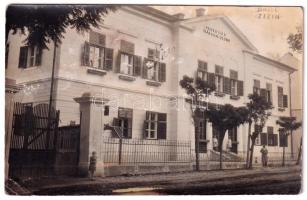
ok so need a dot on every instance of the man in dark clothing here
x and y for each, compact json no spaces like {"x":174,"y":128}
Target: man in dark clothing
{"x":264,"y":157}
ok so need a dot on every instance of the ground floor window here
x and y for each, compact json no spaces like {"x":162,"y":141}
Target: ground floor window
{"x":155,"y":125}
{"x":124,"y":122}
{"x":232,"y":140}
{"x":283,"y":138}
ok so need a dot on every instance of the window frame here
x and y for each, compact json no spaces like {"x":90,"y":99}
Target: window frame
{"x":101,"y":62}
{"x":130,"y":58}
{"x":33,"y":57}
{"x":149,"y":129}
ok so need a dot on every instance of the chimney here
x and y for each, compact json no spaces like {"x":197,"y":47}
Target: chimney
{"x":179,"y":16}
{"x":200,"y":12}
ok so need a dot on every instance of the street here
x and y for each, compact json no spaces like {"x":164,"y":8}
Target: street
{"x":256,"y":181}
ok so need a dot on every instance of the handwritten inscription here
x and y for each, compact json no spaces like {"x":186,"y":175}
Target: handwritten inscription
{"x":216,"y":33}
{"x":269,"y":13}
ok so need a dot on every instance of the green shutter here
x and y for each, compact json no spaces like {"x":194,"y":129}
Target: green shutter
{"x":38,"y":56}
{"x":118,"y":59}
{"x":280,"y":97}
{"x":285,"y":101}
{"x":161,"y":131}
{"x":85,"y":57}
{"x":23,"y":56}
{"x":240,"y":88}
{"x":162,"y":72}
{"x":144,"y":74}
{"x":211,"y":78}
{"x":226,"y":85}
{"x":137,"y":65}
{"x":108,"y":59}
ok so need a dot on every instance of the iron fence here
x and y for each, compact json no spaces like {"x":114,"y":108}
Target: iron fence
{"x":131,"y":151}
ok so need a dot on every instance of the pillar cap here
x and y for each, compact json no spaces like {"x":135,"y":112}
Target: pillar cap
{"x":87,"y":97}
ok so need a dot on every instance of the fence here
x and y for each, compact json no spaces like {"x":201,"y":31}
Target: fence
{"x":131,"y":151}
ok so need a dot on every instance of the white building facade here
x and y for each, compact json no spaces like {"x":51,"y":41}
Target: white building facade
{"x":136,"y":60}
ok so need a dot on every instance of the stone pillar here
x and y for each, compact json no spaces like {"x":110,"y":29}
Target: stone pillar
{"x":11,"y":88}
{"x":91,"y":133}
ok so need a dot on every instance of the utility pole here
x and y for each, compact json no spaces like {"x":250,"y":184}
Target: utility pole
{"x":51,"y":96}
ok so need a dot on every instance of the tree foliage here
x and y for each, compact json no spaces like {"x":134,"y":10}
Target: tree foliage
{"x":295,"y":40}
{"x":288,"y":123}
{"x":42,"y":23}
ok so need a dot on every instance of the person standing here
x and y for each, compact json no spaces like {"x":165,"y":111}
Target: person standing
{"x":92,"y":167}
{"x":264,"y":156}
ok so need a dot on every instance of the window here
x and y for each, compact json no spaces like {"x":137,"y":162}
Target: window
{"x":233,"y":82}
{"x":283,"y":138}
{"x":280,"y":97}
{"x":219,"y":78}
{"x":256,"y":88}
{"x":153,"y":54}
{"x":202,"y":70}
{"x":30,"y":56}
{"x":257,"y":129}
{"x":106,"y":110}
{"x":124,"y":121}
{"x":269,"y":92}
{"x":96,"y":56}
{"x":153,"y":69}
{"x":126,"y":64}
{"x":155,"y":125}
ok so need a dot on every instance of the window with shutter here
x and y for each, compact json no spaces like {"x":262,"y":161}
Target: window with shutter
{"x":145,"y":68}
{"x":155,"y":125}
{"x":162,"y":72}
{"x":125,"y":121}
{"x":256,"y":88}
{"x":271,"y":137}
{"x":263,"y":93}
{"x":280,"y":97}
{"x":202,"y":70}
{"x":30,"y":56}
{"x":211,"y":78}
{"x":283,"y":138}
{"x":153,"y":54}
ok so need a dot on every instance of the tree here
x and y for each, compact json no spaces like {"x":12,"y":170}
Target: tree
{"x":288,"y":125}
{"x":258,"y":113}
{"x":42,"y":23}
{"x":223,"y":118}
{"x":196,"y":90}
{"x":295,"y":40}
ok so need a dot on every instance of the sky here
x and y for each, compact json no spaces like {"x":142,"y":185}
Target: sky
{"x":269,"y":36}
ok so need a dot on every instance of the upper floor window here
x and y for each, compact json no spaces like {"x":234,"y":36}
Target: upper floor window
{"x":155,"y":125}
{"x":95,"y":54}
{"x":202,"y":70}
{"x":282,"y":99}
{"x":219,"y":71}
{"x":256,"y":88}
{"x":153,"y":69}
{"x":30,"y":56}
{"x":126,"y":64}
{"x":233,"y":83}
{"x":269,"y":92}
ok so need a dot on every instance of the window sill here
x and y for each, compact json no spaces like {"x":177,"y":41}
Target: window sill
{"x":206,"y":141}
{"x":219,"y":94}
{"x":235,"y":142}
{"x":95,"y":71}
{"x":153,"y":83}
{"x":234,"y":97}
{"x":126,"y":77}
{"x":281,"y":109}
{"x":29,"y":68}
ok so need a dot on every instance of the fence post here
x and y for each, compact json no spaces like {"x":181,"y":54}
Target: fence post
{"x":120,"y":150}
{"x":92,"y":125}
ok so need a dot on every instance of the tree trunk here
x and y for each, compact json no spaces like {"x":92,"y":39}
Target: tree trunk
{"x":251,"y":154}
{"x":196,"y":144}
{"x":292,"y":156}
{"x":283,"y":156}
{"x":299,"y":153}
{"x":221,"y":156}
{"x":248,"y":143}
{"x":221,"y":135}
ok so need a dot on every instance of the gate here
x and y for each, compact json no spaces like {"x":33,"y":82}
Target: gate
{"x":34,"y":144}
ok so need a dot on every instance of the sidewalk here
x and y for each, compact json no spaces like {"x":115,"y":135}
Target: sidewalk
{"x":34,"y":186}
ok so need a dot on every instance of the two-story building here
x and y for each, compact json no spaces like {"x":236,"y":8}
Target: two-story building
{"x":136,"y":60}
